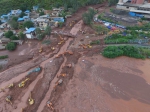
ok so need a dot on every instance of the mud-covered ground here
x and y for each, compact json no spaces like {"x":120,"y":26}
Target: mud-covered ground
{"x":90,"y":82}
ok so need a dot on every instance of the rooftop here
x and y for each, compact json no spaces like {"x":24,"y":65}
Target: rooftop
{"x":30,"y":30}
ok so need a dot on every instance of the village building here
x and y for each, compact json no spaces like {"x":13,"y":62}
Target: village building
{"x":30,"y":33}
{"x":136,"y":7}
{"x":4,"y":40}
{"x":16,"y":12}
{"x":42,"y":23}
{"x":35,"y":8}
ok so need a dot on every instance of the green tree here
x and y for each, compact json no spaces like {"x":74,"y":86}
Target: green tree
{"x":48,"y":30}
{"x":88,"y":16}
{"x":22,"y":14}
{"x":14,"y":37}
{"x":21,"y":35}
{"x":8,"y":34}
{"x":14,"y":24}
{"x":11,"y":46}
{"x":41,"y":13}
{"x":28,"y":24}
{"x":41,"y":36}
{"x":38,"y":31}
{"x":14,"y":18}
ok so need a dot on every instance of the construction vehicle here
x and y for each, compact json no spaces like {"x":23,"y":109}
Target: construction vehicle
{"x":61,"y":42}
{"x":69,"y":65}
{"x":60,"y":81}
{"x":41,"y":49}
{"x":8,"y":99}
{"x":60,"y":37}
{"x":31,"y":100}
{"x":63,"y":75}
{"x":50,"y":105}
{"x":68,"y":52}
{"x":10,"y":85}
{"x":53,"y":48}
{"x":34,"y":70}
{"x":83,"y":46}
{"x":89,"y":46}
{"x":22,"y":84}
{"x":72,"y":23}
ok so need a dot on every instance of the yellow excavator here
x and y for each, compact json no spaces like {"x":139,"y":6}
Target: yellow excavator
{"x":31,"y":100}
{"x":41,"y":49}
{"x":8,"y":99}
{"x":22,"y":84}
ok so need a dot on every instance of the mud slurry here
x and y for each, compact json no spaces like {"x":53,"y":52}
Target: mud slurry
{"x":97,"y":87}
{"x":57,"y":92}
{"x":43,"y":84}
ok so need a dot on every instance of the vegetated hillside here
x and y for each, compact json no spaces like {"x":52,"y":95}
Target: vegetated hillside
{"x":7,"y":5}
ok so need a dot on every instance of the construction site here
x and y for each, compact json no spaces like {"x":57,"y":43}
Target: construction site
{"x":71,"y":75}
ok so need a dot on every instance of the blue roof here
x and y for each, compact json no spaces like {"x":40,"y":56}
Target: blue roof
{"x":59,"y":19}
{"x":20,"y":19}
{"x":25,"y":17}
{"x":30,"y":30}
{"x":4,"y":16}
{"x":27,"y":11}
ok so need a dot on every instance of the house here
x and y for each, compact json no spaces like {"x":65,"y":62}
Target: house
{"x":35,"y":8}
{"x":42,"y":23}
{"x":58,"y":9}
{"x":30,"y":33}
{"x":44,"y":17}
{"x":57,"y":19}
{"x":20,"y":19}
{"x":53,"y":24}
{"x":1,"y":34}
{"x":4,"y":18}
{"x":27,"y":12}
{"x":16,"y":12}
{"x":24,"y":18}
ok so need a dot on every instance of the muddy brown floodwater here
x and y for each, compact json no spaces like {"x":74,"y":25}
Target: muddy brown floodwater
{"x":108,"y":85}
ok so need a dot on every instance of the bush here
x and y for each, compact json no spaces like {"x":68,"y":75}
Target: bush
{"x":8,"y":34}
{"x":116,"y":51}
{"x":3,"y":57}
{"x":21,"y":35}
{"x":11,"y":46}
{"x":14,"y":37}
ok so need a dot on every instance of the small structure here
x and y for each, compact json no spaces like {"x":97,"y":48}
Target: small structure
{"x":44,"y":17}
{"x":42,"y":23}
{"x":4,"y":40}
{"x":30,"y":33}
{"x":4,"y":18}
{"x":20,"y":19}
{"x":16,"y":12}
{"x":35,"y":8}
{"x":1,"y":34}
{"x":20,"y":42}
{"x":57,"y":19}
{"x":27,"y":12}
